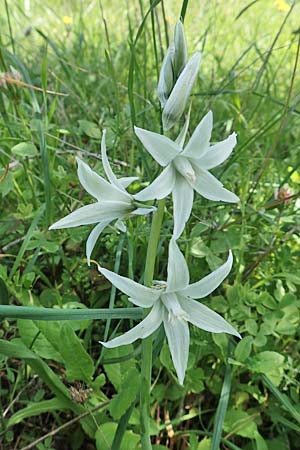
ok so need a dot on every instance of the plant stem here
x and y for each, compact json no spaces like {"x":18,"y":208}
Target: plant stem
{"x":146,"y":364}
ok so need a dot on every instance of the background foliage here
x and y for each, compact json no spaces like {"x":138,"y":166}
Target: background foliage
{"x":80,"y":69}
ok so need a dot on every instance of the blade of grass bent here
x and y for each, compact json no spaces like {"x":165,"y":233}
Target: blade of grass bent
{"x":221,"y":410}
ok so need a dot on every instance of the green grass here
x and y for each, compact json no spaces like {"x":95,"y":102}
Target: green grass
{"x":105,"y":63}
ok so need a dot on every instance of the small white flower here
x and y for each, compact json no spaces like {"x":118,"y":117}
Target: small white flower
{"x":186,"y":169}
{"x":173,"y":304}
{"x":113,"y":201}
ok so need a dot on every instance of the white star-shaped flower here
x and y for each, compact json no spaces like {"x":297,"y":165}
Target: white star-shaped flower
{"x":113,"y":201}
{"x":186,"y":168}
{"x":174,"y":304}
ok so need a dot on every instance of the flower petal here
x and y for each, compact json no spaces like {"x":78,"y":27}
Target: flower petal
{"x":160,"y":147}
{"x":160,"y":187}
{"x":209,"y":283}
{"x":166,"y":77}
{"x":143,"y":296}
{"x":140,"y":331}
{"x":92,"y":239}
{"x":178,"y":272}
{"x":183,"y":195}
{"x":178,"y":98}
{"x":203,"y":317}
{"x":96,"y":212}
{"x":182,"y":135}
{"x":107,"y":168}
{"x":199,"y":142}
{"x":210,"y":187}
{"x":178,"y":336}
{"x":126,"y":181}
{"x":97,"y":186}
{"x":217,"y":153}
{"x":143,"y":211}
{"x":120,"y":225}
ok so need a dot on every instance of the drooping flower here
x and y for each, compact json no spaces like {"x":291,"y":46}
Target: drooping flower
{"x":173,"y":304}
{"x":113,"y":201}
{"x":186,"y":169}
{"x":176,"y":78}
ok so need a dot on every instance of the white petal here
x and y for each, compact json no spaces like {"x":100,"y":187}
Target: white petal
{"x":178,"y":336}
{"x":199,"y":142}
{"x":217,"y":153}
{"x":182,"y":135}
{"x":143,"y":211}
{"x":166,"y":77}
{"x":140,"y":331}
{"x":203,"y":317}
{"x":177,"y":101}
{"x":107,"y":168}
{"x":97,"y":186}
{"x":97,"y":212}
{"x":209,"y":283}
{"x":183,"y":196}
{"x":143,"y":296}
{"x":160,"y":187}
{"x":178,"y":272}
{"x":92,"y":239}
{"x":126,"y":181}
{"x":120,"y":225}
{"x":160,"y":147}
{"x":210,"y":187}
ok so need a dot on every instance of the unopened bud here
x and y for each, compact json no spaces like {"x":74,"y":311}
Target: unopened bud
{"x":166,"y":77}
{"x":177,"y":101}
{"x":180,"y":58}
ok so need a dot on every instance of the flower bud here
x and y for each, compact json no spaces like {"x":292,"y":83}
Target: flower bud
{"x":176,"y":103}
{"x":180,"y":58}
{"x":166,"y":77}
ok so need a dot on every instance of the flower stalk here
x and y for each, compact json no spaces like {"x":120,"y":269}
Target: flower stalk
{"x":146,"y":363}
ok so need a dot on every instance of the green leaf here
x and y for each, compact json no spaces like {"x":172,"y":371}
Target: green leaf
{"x":39,"y":313}
{"x":270,"y":363}
{"x":7,"y":184}
{"x":4,"y":298}
{"x":116,"y":372}
{"x":79,"y":364}
{"x":105,"y":434}
{"x":33,"y":337}
{"x":243,"y":349}
{"x":25,"y":149}
{"x":90,"y":129}
{"x":240,"y":423}
{"x":127,"y":394}
{"x":35,"y":409}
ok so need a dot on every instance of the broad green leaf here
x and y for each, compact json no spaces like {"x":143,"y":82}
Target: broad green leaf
{"x":116,"y":372}
{"x":35,"y":409}
{"x":24,"y":149}
{"x":270,"y":363}
{"x":243,"y":349}
{"x":127,"y":394}
{"x":241,"y":423}
{"x":105,"y":434}
{"x":33,"y":337}
{"x":91,"y":129}
{"x":7,"y":183}
{"x":79,"y":364}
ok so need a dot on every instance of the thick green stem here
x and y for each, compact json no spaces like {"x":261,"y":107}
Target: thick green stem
{"x":146,"y":365}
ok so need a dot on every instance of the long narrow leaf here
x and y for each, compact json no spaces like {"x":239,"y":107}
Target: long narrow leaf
{"x":40,"y":313}
{"x":221,"y":411}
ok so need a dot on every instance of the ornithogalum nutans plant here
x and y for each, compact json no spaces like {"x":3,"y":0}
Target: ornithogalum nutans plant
{"x":185,"y":169}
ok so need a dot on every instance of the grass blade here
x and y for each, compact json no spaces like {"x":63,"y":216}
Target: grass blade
{"x":221,"y":410}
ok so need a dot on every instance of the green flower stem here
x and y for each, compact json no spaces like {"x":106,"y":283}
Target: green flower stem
{"x":146,"y":365}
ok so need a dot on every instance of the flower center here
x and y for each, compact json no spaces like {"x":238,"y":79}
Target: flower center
{"x":172,"y":304}
{"x":185,"y":168}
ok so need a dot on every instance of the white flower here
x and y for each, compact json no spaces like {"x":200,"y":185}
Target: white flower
{"x":186,"y":169}
{"x":174,"y":305}
{"x":113,"y":201}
